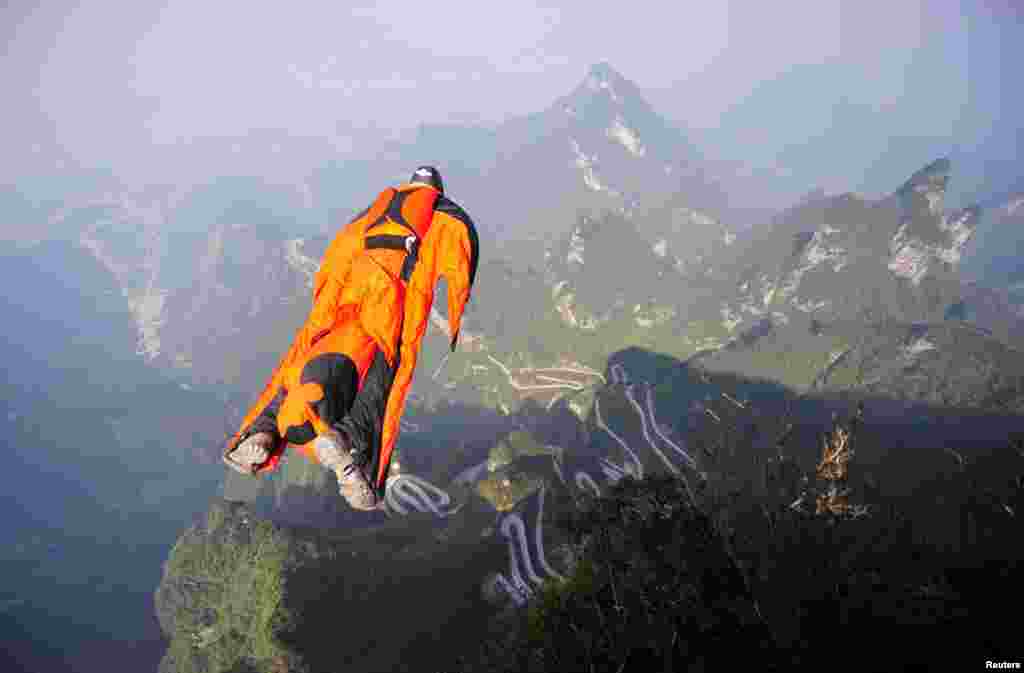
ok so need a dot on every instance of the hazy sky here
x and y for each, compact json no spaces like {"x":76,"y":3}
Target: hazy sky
{"x":104,"y":79}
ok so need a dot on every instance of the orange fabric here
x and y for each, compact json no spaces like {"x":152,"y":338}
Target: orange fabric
{"x":297,"y":409}
{"x":347,"y":245}
{"x":321,"y":319}
{"x":360,"y":304}
{"x":327,"y":287}
{"x":417,"y":209}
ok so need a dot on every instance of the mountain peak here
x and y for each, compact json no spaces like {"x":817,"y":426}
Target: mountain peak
{"x":603,"y":78}
{"x":604,"y":72}
{"x":932,"y":177}
{"x":607,"y":103}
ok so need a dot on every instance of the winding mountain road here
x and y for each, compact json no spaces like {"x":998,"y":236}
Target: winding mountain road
{"x":523,"y":528}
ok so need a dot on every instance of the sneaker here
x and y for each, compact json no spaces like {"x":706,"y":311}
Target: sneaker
{"x":356,"y":489}
{"x":333,"y":450}
{"x":250,"y":454}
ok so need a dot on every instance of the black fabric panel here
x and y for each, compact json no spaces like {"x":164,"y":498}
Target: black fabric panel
{"x":300,"y":434}
{"x":337,"y":375}
{"x":365,"y":422}
{"x":449,"y":207}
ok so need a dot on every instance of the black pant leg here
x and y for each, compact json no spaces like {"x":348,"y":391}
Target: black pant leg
{"x":365,"y":422}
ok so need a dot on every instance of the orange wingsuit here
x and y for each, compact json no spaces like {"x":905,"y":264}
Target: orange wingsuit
{"x":350,"y":365}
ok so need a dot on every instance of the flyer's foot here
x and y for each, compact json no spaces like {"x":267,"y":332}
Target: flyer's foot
{"x":250,"y":454}
{"x":333,"y":450}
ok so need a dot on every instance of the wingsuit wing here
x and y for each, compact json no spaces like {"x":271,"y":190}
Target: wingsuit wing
{"x":328,"y":284}
{"x":450,"y":249}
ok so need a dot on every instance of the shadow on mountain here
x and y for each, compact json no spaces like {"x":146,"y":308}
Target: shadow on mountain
{"x":945,"y":486}
{"x":404,"y":593}
{"x":393,"y":602}
{"x":900,"y":423}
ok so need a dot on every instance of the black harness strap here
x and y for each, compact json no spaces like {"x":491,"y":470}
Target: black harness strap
{"x":410,"y":244}
{"x":388,"y":242}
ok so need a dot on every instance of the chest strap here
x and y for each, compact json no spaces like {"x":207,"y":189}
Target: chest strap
{"x":410,"y":244}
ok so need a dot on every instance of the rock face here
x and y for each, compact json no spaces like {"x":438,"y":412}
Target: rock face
{"x":687,"y":238}
{"x":929,"y":238}
{"x":813,"y":301}
{"x":192,"y":292}
{"x":846,"y":258}
{"x":195,"y":262}
{"x":242,"y":593}
{"x":582,"y":271}
{"x":221,"y":596}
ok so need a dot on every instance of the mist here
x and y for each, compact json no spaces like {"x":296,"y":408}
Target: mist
{"x":820,"y":95}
